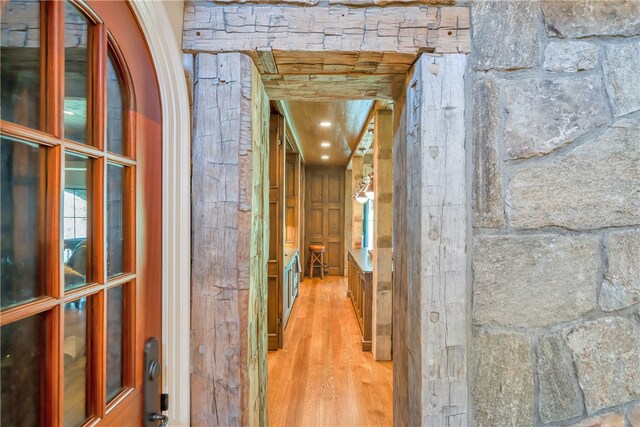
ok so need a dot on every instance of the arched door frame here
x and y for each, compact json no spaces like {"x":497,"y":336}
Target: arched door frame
{"x":176,"y":200}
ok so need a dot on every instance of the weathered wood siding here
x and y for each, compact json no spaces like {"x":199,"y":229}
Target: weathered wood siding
{"x":229,"y":244}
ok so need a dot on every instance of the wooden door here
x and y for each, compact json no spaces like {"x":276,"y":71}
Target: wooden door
{"x":80,"y":159}
{"x":325,"y":215}
{"x":275,"y":325}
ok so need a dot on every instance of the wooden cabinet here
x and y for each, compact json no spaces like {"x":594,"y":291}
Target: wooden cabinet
{"x":291,"y":283}
{"x":360,"y":281}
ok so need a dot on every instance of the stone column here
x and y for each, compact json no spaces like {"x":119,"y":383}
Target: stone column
{"x":383,"y":216}
{"x":229,"y":242}
{"x":356,"y":208}
{"x":430,"y":284}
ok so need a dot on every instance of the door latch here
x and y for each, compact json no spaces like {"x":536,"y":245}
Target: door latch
{"x":153,"y":403}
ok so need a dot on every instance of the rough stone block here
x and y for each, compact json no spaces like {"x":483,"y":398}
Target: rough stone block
{"x":634,"y":415}
{"x":622,"y":77}
{"x":382,"y":3}
{"x":502,"y":387}
{"x":559,"y":396}
{"x":581,"y":18}
{"x":504,"y":34}
{"x":612,"y":419}
{"x":570,"y":56}
{"x":595,"y":185}
{"x":488,"y":210}
{"x":607,"y":356}
{"x":546,"y":114}
{"x":534,"y":280}
{"x":621,"y":286}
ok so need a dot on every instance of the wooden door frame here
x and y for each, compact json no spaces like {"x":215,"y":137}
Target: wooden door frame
{"x":439,"y":311}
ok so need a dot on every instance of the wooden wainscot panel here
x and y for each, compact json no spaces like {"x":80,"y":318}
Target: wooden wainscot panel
{"x":275,"y":327}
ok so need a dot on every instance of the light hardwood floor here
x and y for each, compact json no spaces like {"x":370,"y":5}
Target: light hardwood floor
{"x":322,"y":377}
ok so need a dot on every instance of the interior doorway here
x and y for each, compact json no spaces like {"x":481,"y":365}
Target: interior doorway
{"x":230,"y":203}
{"x":321,"y":281}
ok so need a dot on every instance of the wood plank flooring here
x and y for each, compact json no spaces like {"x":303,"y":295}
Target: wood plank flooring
{"x":322,"y":377}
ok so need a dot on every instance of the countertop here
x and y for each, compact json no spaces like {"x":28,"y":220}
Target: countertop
{"x":362,"y":258}
{"x":289,"y":253}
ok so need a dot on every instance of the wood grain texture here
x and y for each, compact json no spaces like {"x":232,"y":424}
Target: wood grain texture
{"x":277,"y":155}
{"x":401,"y":316}
{"x":434,"y":361}
{"x":359,"y":289}
{"x":337,"y":29}
{"x":328,"y":52}
{"x":347,"y":119}
{"x":444,"y":218}
{"x":325,"y":215}
{"x":229,"y":208}
{"x":382,"y":250}
{"x":322,"y":377}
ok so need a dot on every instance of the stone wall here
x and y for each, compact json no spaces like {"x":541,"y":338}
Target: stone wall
{"x":555,"y":89}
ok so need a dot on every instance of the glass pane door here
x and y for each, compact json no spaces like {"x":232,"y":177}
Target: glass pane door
{"x":67,"y":254}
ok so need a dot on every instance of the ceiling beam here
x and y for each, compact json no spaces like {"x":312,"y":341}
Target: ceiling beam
{"x":376,"y":105}
{"x":283,"y":107}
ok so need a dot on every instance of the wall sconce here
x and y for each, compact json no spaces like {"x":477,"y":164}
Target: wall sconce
{"x":368,"y":190}
{"x":360,"y":195}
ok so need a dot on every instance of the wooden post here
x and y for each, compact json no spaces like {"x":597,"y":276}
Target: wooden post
{"x":229,"y":243}
{"x":356,"y":208}
{"x":430,"y":321}
{"x":383,"y":216}
{"x":348,"y":216}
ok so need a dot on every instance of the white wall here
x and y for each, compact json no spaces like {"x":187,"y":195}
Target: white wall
{"x":175,"y":12}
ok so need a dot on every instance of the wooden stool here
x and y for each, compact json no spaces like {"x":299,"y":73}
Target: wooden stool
{"x":316,"y":260}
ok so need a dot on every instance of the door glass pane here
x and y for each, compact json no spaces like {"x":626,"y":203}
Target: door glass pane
{"x":20,"y":65}
{"x":75,"y":362}
{"x":115,"y":215}
{"x":115,"y":109}
{"x":76,"y":220}
{"x":21,"y":362}
{"x":115,"y":314}
{"x":76,"y":30}
{"x":23,"y":172}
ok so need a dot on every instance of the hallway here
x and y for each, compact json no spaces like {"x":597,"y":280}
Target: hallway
{"x":322,"y":377}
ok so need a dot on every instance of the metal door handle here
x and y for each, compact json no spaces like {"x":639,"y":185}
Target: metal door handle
{"x":164,"y":420}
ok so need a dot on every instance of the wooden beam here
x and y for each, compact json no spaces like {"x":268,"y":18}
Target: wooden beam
{"x":365,"y":127}
{"x":265,"y":54}
{"x":210,"y":27}
{"x":283,"y":107}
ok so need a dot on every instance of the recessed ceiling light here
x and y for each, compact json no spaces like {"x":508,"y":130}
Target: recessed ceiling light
{"x":325,"y":124}
{"x":325,"y":144}
{"x":325,"y":157}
